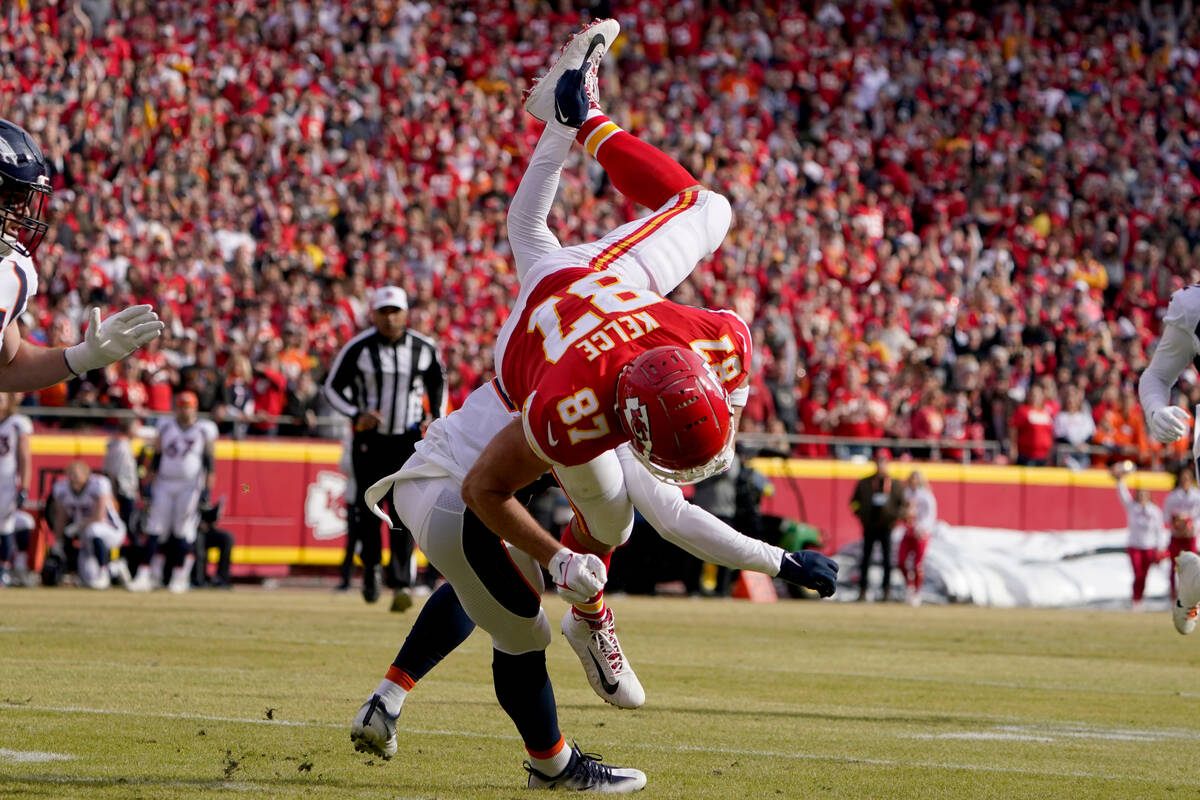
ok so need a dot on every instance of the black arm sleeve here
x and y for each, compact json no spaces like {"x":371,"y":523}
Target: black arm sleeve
{"x":341,"y":388}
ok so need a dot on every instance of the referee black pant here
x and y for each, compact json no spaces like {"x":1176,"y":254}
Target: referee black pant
{"x":374,"y":456}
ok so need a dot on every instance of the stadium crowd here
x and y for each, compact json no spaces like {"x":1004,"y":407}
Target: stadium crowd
{"x":952,"y":220}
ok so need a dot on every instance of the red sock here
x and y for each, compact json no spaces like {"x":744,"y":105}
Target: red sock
{"x":568,"y":540}
{"x":640,"y":171}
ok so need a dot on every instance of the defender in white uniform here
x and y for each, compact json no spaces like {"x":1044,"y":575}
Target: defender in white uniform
{"x":84,"y":510}
{"x":1177,"y":348}
{"x":183,"y":476}
{"x":24,"y":195}
{"x":15,"y":471}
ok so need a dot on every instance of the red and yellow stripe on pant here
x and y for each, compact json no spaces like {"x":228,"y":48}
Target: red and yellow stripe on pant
{"x":609,"y":254}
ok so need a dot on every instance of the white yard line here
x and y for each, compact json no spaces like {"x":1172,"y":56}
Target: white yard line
{"x":1077,"y":730}
{"x":30,"y":756}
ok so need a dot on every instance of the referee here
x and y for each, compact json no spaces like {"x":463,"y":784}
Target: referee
{"x":390,"y":382}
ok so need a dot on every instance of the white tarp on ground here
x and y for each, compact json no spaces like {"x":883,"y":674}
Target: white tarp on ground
{"x":999,"y":567}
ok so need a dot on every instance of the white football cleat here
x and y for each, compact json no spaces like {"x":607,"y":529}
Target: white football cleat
{"x":374,"y":729}
{"x":119,"y":571}
{"x":583,"y":50}
{"x":607,"y":669}
{"x":142,"y":582}
{"x":181,"y":581}
{"x":585,"y":773}
{"x":1187,"y":586}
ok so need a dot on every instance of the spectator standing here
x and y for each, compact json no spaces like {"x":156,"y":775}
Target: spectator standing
{"x":920,"y":520}
{"x":878,"y":502}
{"x":1074,"y":427}
{"x":1032,"y":430}
{"x":1182,"y":510}
{"x":1145,"y":529}
{"x":390,"y":382}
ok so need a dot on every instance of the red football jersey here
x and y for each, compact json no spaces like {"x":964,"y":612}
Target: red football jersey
{"x":561,"y":351}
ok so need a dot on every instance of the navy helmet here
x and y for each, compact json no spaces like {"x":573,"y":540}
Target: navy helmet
{"x":24,"y":189}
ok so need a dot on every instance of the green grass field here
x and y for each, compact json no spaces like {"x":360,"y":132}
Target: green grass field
{"x":219,"y":694}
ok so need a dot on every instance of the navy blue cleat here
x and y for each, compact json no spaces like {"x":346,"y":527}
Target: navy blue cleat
{"x":585,"y":773}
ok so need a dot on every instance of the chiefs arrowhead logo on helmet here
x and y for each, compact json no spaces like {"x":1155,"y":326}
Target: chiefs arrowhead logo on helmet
{"x":676,"y":414}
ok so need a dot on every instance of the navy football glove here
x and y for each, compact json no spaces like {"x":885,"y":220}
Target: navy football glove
{"x":810,"y":569}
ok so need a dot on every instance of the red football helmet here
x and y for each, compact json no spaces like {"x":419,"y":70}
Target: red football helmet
{"x":676,"y":414}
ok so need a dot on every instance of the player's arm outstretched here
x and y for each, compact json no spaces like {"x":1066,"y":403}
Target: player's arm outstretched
{"x":489,"y":489}
{"x":26,"y":367}
{"x":1172,"y":355}
{"x":706,"y":537}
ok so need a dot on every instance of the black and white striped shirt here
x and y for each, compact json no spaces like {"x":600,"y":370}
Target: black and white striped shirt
{"x":371,"y":373}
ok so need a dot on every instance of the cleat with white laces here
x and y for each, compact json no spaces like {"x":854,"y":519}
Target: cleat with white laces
{"x":374,"y":729}
{"x":583,"y":50}
{"x":1187,"y":583}
{"x":585,"y":773}
{"x":607,"y":669}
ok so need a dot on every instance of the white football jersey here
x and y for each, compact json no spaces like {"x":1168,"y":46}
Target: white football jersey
{"x":1184,"y":312}
{"x":12,"y":428}
{"x":454,"y":441}
{"x":1183,"y":503}
{"x":18,"y":283}
{"x":81,"y":506}
{"x":183,"y":448}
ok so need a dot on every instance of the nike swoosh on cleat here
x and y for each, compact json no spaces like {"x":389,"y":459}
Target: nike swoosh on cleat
{"x":596,"y":41}
{"x":609,"y":688}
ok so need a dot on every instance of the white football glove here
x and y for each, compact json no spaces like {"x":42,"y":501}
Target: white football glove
{"x":1169,"y":424}
{"x":578,"y":576}
{"x":113,"y":339}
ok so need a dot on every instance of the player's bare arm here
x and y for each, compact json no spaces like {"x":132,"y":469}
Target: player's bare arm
{"x":27,"y":367}
{"x":24,"y":464}
{"x":58,"y":520}
{"x":489,"y":489}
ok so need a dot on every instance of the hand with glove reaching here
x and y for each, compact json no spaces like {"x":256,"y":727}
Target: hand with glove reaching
{"x":113,"y":339}
{"x":810,"y":569}
{"x":1169,"y":424}
{"x":578,"y":576}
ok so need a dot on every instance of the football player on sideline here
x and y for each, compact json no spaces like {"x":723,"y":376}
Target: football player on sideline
{"x":24,"y":367}
{"x":492,"y":580}
{"x":1177,"y":346}
{"x":16,"y":467}
{"x":84,"y":510}
{"x":181,"y":481}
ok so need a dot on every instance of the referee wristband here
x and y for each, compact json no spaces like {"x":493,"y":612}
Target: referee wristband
{"x":70,"y":369}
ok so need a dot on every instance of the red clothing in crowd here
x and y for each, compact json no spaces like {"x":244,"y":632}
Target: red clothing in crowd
{"x":1034,"y":429}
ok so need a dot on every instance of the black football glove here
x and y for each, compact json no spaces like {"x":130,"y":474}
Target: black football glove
{"x":810,"y":569}
{"x":22,"y":496}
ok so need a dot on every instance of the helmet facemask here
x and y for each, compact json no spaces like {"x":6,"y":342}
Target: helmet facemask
{"x":21,"y":208}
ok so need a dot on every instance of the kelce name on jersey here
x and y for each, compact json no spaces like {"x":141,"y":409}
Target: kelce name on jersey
{"x":626,"y":328}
